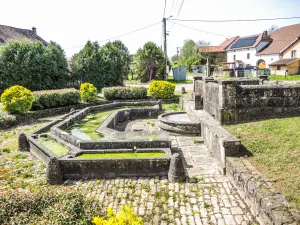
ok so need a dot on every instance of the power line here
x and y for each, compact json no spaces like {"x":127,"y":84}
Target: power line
{"x":180,"y":8}
{"x":122,"y":35}
{"x":165,"y":8}
{"x":177,"y":13}
{"x":201,"y":30}
{"x":239,"y":20}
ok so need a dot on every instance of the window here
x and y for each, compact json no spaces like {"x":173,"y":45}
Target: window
{"x":233,"y":57}
{"x":278,"y":67}
{"x":294,"y":54}
{"x":248,"y":55}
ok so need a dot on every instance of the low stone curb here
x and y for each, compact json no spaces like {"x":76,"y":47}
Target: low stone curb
{"x":265,"y":202}
{"x":34,"y":115}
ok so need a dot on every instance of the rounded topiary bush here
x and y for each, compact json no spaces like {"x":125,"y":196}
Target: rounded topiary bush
{"x":17,"y":100}
{"x":88,"y":92}
{"x":161,"y":89}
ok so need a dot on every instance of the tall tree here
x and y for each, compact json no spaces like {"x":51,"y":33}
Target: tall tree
{"x":188,"y":49}
{"x":33,"y":65}
{"x":103,"y":66}
{"x":148,"y":62}
{"x":203,"y":43}
{"x":86,"y":65}
{"x":273,"y":28}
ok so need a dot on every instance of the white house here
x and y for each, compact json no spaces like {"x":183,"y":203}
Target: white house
{"x":243,"y":51}
{"x":261,"y":50}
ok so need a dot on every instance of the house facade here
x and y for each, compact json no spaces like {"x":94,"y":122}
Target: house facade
{"x":8,"y":33}
{"x":266,"y":50}
{"x":243,"y":52}
{"x":218,"y":52}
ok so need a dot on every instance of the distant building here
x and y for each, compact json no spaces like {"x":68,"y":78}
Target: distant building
{"x":218,"y":51}
{"x":8,"y":33}
{"x":264,"y":50}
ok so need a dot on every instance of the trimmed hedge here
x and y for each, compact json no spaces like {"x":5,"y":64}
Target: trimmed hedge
{"x":124,"y":93}
{"x":17,"y":100}
{"x":161,"y":89}
{"x":55,"y":98}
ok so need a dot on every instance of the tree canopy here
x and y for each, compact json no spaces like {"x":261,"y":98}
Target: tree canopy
{"x":148,"y":62}
{"x":103,"y":66}
{"x":33,"y":65}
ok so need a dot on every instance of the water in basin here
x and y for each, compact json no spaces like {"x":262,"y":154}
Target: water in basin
{"x":79,"y":134}
{"x":180,"y":117}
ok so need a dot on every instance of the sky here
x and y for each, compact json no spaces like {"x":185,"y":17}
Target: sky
{"x":72,"y":22}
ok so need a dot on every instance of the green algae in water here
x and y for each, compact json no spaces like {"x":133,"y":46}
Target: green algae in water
{"x":122,"y":155}
{"x":88,"y":125}
{"x":56,"y":148}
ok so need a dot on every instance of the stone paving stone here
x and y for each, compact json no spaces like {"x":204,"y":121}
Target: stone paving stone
{"x":211,"y":199}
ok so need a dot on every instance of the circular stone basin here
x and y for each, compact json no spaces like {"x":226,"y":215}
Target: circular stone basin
{"x":179,"y":122}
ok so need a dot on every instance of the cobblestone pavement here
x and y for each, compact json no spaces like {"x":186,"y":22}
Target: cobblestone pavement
{"x":210,"y":199}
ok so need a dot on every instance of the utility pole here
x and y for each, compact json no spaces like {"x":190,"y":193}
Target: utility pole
{"x":177,"y":48}
{"x":164,"y":22}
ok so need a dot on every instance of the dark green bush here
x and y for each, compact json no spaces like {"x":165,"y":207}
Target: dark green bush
{"x":55,"y":98}
{"x":103,"y":66}
{"x":33,"y":65}
{"x":124,"y":93}
{"x":47,"y":206}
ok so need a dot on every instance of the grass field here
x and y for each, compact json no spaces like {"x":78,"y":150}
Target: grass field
{"x":275,"y":145}
{"x":171,"y":79}
{"x":278,"y":77}
{"x":122,"y":155}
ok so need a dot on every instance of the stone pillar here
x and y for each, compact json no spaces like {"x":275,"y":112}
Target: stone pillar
{"x":54,"y":173}
{"x":23,"y":142}
{"x":176,"y":172}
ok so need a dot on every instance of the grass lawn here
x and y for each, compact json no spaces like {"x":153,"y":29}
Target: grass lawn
{"x":275,"y":145}
{"x":278,"y":77}
{"x":172,"y":107}
{"x":171,"y":79}
{"x":122,"y":155}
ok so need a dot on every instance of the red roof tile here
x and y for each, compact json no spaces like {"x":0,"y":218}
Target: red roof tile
{"x":282,"y":38}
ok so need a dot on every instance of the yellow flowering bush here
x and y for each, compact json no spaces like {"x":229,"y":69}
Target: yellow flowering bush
{"x":125,"y":217}
{"x":17,"y":99}
{"x":88,"y":92}
{"x":161,"y":89}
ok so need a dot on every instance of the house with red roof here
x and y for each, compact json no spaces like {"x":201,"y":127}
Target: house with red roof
{"x":268,"y":50}
{"x":218,"y":51}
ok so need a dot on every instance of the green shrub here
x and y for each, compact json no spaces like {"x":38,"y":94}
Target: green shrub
{"x":17,"y":99}
{"x":55,"y":98}
{"x":124,"y":93}
{"x":33,"y":65}
{"x":47,"y":206}
{"x":88,"y":92}
{"x":161,"y":89}
{"x":7,"y":120}
{"x":125,"y":217}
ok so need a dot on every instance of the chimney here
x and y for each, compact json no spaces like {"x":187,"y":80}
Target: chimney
{"x":34,"y":30}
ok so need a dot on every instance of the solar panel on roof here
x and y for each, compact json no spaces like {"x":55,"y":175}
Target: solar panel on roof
{"x":244,"y":42}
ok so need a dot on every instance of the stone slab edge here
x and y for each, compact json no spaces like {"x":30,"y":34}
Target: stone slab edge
{"x":265,"y":202}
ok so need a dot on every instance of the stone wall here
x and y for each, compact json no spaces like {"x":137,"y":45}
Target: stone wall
{"x":218,"y":140}
{"x":265,"y":202}
{"x":234,"y":101}
{"x":77,"y":169}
